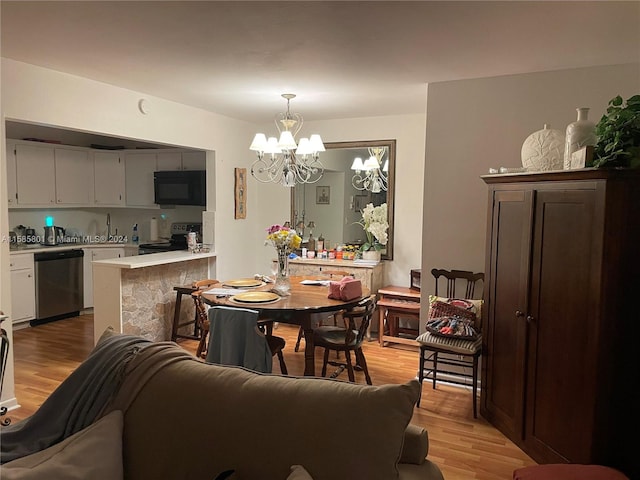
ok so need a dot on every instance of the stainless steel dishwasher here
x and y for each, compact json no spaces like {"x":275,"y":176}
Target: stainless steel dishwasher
{"x":59,"y":285}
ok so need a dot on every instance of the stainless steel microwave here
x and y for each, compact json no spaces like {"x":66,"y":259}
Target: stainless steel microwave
{"x":180,"y":187}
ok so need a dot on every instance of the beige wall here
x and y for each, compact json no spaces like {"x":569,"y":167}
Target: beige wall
{"x":476,"y":124}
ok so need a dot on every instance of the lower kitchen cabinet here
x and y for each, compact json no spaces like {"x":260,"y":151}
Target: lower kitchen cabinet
{"x":23,"y":288}
{"x":91,"y":254}
{"x":560,"y":327}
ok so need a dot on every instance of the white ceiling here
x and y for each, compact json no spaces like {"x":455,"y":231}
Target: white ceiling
{"x":343,"y":59}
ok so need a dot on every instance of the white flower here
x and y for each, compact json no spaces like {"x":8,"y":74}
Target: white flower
{"x":374,"y":222}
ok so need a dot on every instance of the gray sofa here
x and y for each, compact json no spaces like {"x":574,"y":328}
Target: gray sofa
{"x":184,"y":419}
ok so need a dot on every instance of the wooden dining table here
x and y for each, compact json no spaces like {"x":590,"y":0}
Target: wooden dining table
{"x":295,"y":308}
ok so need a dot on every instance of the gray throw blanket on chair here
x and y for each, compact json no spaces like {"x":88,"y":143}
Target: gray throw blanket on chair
{"x":107,"y":380}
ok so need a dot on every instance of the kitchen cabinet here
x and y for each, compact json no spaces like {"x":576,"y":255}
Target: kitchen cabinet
{"x":74,"y":176}
{"x":40,"y":189}
{"x":559,"y":329}
{"x":12,"y":191}
{"x":23,"y":288}
{"x":109,"y":179}
{"x":139,"y":169}
{"x":181,"y":161}
{"x":91,"y":254}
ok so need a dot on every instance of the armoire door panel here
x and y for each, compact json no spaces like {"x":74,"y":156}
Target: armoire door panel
{"x":505,"y":334}
{"x":561,"y":326}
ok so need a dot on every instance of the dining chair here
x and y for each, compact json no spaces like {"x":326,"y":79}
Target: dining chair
{"x":202,"y":317}
{"x":347,"y":339}
{"x":333,"y":275}
{"x":461,"y":354}
{"x":237,"y":338}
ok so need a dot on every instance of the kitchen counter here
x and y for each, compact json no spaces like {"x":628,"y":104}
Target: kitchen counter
{"x":153,"y":259}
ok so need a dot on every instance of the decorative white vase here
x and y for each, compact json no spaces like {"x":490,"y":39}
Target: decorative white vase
{"x":373,"y":255}
{"x":543,"y":150}
{"x":580,"y":133}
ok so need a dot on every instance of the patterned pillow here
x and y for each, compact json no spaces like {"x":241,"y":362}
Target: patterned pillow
{"x":449,"y":320}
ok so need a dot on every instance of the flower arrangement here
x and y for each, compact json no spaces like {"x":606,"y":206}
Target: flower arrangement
{"x":375,"y":225}
{"x":283,"y":238}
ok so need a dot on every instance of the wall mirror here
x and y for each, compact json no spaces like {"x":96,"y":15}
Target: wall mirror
{"x":333,"y":204}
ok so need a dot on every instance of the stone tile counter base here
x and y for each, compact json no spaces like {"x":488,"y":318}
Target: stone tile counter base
{"x":148,"y":298}
{"x":135,"y":295}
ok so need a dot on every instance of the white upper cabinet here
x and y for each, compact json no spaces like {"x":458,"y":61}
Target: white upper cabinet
{"x":194,"y":161}
{"x":181,"y":161}
{"x":109,"y":179}
{"x":42,"y":174}
{"x":139,"y":168}
{"x":12,"y":190}
{"x":169,"y":161}
{"x":35,"y":175}
{"x":74,"y":177}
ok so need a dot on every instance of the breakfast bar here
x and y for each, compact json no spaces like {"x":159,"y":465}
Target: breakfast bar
{"x":135,"y":295}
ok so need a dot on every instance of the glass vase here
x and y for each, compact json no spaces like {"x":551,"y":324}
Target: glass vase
{"x":283,"y":283}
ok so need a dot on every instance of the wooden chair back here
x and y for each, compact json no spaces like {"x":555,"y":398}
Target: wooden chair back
{"x":201,"y":312}
{"x":465,"y":278}
{"x":358,"y":320}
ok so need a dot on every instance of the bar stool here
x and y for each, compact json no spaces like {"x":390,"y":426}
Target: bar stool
{"x":180,"y":291}
{"x":197,"y":328}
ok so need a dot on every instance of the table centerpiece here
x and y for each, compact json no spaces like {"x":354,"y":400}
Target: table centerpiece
{"x":285,"y":240}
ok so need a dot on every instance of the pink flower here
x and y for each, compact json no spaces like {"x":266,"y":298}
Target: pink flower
{"x":273,"y":229}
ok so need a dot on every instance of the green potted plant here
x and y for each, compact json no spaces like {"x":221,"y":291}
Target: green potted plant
{"x":618,"y":133}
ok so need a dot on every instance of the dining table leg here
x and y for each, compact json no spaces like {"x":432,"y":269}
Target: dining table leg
{"x":309,"y":349}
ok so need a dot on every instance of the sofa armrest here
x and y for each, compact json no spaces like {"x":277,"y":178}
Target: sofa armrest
{"x":415,"y":446}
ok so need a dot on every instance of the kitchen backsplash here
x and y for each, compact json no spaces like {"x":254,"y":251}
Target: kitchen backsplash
{"x":91,"y":222}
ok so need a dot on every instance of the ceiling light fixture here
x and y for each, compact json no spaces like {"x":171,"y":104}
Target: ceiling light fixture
{"x":369,"y":175}
{"x":289,"y":163}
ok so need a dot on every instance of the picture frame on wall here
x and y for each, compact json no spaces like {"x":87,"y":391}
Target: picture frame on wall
{"x":323,"y":195}
{"x":359,"y":202}
{"x":240,"y":193}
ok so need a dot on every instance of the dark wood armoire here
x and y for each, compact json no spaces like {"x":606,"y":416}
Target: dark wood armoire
{"x":562,"y":309}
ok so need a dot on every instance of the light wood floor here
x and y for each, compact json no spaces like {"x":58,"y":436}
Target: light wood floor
{"x":463,"y":447}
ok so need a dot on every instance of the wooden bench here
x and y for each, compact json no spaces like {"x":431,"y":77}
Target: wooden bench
{"x":396,"y":302}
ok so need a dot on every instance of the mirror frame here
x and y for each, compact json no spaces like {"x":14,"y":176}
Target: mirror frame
{"x":391,"y":177}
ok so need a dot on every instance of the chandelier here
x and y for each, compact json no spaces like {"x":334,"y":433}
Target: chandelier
{"x":369,"y":175}
{"x":286,"y":162}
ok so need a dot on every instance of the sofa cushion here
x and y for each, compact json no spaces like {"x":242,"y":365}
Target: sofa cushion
{"x":94,"y":453}
{"x":259,"y":425}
